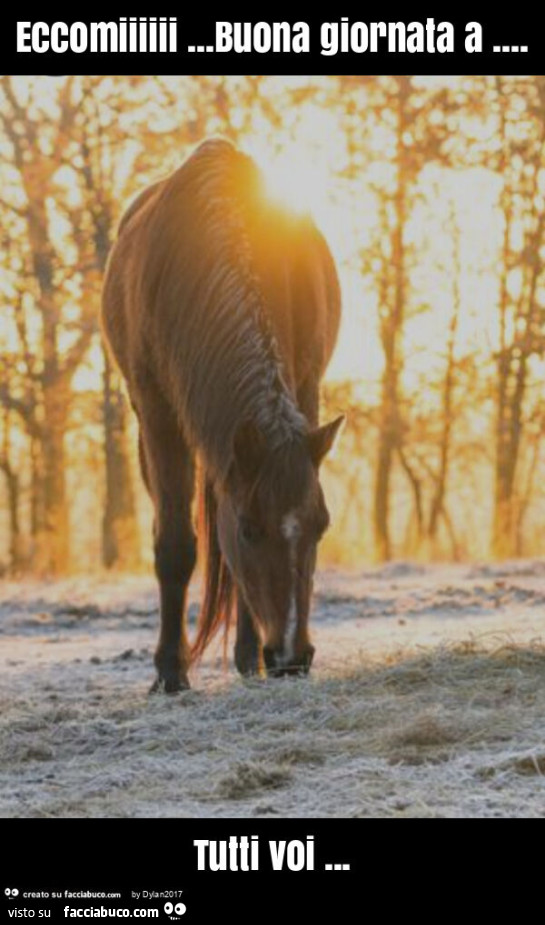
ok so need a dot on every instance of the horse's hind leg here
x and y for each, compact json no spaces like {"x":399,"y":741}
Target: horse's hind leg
{"x":248,"y":648}
{"x":168,"y":470}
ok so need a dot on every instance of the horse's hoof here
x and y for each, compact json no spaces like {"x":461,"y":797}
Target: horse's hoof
{"x":169,"y":686}
{"x":248,"y":662}
{"x":250,"y":671}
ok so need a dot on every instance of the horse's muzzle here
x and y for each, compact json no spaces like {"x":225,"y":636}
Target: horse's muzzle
{"x":278,"y":666}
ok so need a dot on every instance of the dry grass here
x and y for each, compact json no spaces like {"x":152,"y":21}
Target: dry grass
{"x":449,"y":729}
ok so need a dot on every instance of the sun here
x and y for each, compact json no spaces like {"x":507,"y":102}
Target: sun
{"x":294,"y":183}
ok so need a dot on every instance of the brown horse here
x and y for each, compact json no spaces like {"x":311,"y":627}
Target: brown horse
{"x":222,"y":311}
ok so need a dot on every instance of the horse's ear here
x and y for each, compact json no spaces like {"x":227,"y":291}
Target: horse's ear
{"x":249,"y":450}
{"x":321,"y":440}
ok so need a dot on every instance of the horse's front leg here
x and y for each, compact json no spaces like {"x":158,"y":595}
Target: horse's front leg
{"x":168,"y":470}
{"x":175,"y":557}
{"x":248,"y":647}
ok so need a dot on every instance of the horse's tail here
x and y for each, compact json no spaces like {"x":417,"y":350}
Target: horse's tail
{"x":219,"y":589}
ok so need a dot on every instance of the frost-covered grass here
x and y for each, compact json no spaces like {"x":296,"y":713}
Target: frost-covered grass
{"x":427,"y":699}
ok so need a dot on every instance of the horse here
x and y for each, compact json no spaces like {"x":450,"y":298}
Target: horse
{"x":221,"y":310}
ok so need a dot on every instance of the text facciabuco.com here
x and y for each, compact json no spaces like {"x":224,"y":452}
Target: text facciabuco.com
{"x":101,"y":912}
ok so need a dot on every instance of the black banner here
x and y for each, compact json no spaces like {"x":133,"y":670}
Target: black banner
{"x":170,"y":40}
{"x":151,"y":869}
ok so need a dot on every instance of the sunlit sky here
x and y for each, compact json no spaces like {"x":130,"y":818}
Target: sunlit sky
{"x":301,"y":163}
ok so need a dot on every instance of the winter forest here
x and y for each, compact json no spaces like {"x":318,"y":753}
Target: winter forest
{"x":431,"y":194}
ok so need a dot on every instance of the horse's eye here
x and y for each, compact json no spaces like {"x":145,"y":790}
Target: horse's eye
{"x":250,"y":532}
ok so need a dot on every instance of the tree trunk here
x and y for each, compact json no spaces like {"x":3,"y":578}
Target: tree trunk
{"x":391,"y":331}
{"x":504,"y":513}
{"x":15,"y":544}
{"x":514,"y":358}
{"x":15,"y":537}
{"x":120,"y":539}
{"x":440,"y":488}
{"x":524,"y":502}
{"x":37,"y":520}
{"x":386,"y":449}
{"x":55,"y":553}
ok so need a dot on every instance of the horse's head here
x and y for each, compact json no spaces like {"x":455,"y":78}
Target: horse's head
{"x":271,"y":516}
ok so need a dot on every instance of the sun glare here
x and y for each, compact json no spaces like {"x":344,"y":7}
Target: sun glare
{"x":293,"y":183}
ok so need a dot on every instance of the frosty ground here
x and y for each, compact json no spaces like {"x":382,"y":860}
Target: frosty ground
{"x":427,"y":698}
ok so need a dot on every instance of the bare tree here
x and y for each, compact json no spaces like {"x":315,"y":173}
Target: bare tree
{"x":520,"y":162}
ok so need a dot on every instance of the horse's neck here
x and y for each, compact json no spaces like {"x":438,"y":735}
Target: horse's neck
{"x":274,"y":409}
{"x":264,"y":400}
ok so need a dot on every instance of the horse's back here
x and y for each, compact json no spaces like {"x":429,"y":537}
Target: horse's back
{"x":120,"y":296}
{"x":317,"y":302}
{"x":138,"y":204}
